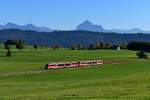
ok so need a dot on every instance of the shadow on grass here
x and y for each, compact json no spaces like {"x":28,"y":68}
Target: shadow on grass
{"x":3,"y":56}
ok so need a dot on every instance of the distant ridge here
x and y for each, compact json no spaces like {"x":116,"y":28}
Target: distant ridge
{"x":89,"y":26}
{"x":85,"y":26}
{"x":25,"y":27}
{"x":68,"y":38}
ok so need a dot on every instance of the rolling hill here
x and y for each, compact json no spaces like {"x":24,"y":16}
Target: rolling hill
{"x":67,"y":38}
{"x":123,"y":77}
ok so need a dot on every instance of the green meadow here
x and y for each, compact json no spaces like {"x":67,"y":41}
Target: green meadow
{"x":122,"y":77}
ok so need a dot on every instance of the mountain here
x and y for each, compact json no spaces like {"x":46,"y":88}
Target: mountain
{"x":133,"y":30}
{"x":89,"y":26}
{"x":68,"y":38}
{"x":25,"y":27}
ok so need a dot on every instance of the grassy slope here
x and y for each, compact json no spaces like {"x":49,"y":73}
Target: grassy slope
{"x":128,"y":79}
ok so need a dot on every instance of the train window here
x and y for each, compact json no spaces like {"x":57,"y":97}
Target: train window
{"x":83,"y":62}
{"x":61,"y":64}
{"x":74,"y":63}
{"x":67,"y":64}
{"x":89,"y":62}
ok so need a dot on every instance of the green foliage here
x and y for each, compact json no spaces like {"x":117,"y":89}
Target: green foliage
{"x":97,"y":45}
{"x":35,"y":46}
{"x":20,"y":45}
{"x":8,"y":54}
{"x":72,"y":47}
{"x":123,"y":46}
{"x":91,"y":47}
{"x":56,"y":46}
{"x":6,"y":46}
{"x":141,"y":54}
{"x":81,"y":47}
{"x":135,"y":45}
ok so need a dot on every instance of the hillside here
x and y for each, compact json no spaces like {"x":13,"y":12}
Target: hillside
{"x":67,"y":38}
{"x":123,"y":77}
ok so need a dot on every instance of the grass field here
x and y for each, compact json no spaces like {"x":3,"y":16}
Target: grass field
{"x":124,"y":77}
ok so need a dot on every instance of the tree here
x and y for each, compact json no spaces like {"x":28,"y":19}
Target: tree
{"x":108,"y":45}
{"x":8,"y":54}
{"x":91,"y":47}
{"x":73,"y":47}
{"x":6,"y":46}
{"x":144,"y":46}
{"x":102,"y":45}
{"x":20,"y":45}
{"x":84,"y":47}
{"x":97,"y":46}
{"x":141,"y":54}
{"x":56,"y":46}
{"x":35,"y":46}
{"x":123,"y":46}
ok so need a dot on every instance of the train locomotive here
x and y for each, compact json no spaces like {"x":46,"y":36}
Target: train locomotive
{"x":73,"y":64}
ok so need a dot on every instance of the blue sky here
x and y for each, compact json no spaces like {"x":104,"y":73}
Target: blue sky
{"x":66,"y":14}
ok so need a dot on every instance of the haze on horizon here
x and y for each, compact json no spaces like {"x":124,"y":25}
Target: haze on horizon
{"x":67,"y":14}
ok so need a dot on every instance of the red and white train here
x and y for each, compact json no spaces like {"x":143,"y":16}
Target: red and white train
{"x":73,"y":64}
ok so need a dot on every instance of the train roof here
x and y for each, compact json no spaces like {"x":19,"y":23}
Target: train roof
{"x":74,"y":62}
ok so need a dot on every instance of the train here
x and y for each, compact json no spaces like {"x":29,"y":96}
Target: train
{"x":73,"y":64}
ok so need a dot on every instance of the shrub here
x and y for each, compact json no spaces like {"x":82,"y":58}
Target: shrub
{"x":35,"y":46}
{"x":141,"y":54}
{"x":8,"y":54}
{"x":56,"y":46}
{"x":72,"y":47}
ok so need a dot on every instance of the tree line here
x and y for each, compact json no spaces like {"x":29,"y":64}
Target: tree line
{"x":136,"y":45}
{"x":98,"y":45}
{"x":141,"y":47}
{"x":20,"y":45}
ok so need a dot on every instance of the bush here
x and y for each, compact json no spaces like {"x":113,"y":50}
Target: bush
{"x":141,"y":54}
{"x":72,"y":47}
{"x":56,"y":46}
{"x":35,"y":46}
{"x":91,"y":47}
{"x":8,"y":54}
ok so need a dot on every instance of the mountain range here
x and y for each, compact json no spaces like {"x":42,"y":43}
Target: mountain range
{"x":85,"y":26}
{"x":25,"y":27}
{"x":89,"y":26}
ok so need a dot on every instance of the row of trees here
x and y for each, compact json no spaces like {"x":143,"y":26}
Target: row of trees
{"x":141,"y":47}
{"x":20,"y":44}
{"x":144,"y":46}
{"x":54,"y":46}
{"x":98,"y":45}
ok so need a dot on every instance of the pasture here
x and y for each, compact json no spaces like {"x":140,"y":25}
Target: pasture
{"x":122,"y":77}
